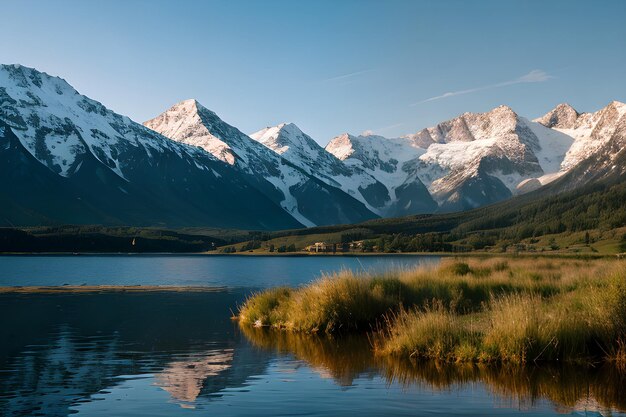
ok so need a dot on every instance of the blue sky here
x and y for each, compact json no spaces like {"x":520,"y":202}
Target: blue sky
{"x":392,"y":67}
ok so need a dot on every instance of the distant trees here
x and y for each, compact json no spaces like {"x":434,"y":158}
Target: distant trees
{"x":103,"y":239}
{"x":284,"y":248}
{"x":352,"y":237}
{"x":250,"y":245}
{"x":513,"y":225}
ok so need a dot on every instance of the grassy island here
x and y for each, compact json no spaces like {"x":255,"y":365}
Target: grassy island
{"x":468,"y":310}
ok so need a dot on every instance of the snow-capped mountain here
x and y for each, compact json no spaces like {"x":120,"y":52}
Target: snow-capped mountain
{"x":309,"y":200}
{"x":599,"y":142}
{"x":68,"y":159}
{"x":389,"y":161}
{"x":472,"y":160}
{"x":590,"y":131}
{"x":480,"y":158}
{"x":301,"y":150}
{"x":466,"y":162}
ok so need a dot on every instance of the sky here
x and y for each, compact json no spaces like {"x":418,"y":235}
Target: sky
{"x":389,"y":67}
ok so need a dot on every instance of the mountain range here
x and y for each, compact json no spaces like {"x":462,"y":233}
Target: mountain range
{"x":67,"y":159}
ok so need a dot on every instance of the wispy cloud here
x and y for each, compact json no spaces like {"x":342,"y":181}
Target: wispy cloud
{"x":380,"y":130}
{"x":534,"y":76}
{"x":347,"y":77}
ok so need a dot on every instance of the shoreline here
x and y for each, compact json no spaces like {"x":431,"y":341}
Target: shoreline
{"x":306,"y":254}
{"x":90,"y":289}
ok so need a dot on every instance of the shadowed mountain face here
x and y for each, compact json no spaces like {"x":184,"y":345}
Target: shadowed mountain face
{"x":309,"y":199}
{"x":67,"y":159}
{"x":300,"y":149}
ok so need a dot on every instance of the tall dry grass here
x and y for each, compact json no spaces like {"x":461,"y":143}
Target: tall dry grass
{"x":481,"y":310}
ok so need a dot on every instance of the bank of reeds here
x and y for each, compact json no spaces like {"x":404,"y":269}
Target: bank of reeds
{"x":514,"y":310}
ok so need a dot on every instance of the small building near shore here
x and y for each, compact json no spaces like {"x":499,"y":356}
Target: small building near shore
{"x":318,"y":247}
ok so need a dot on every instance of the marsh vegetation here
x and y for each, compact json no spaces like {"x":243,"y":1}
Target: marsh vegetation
{"x":479,"y":310}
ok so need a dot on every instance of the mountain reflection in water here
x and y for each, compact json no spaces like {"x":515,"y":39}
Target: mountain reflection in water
{"x":58,"y":350}
{"x":164,"y":353}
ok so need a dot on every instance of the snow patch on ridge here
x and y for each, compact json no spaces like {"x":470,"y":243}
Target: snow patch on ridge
{"x":56,"y":124}
{"x":553,"y":146}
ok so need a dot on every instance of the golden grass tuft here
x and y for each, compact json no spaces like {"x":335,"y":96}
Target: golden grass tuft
{"x":479,"y":310}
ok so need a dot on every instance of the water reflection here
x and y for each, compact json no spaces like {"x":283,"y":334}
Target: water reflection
{"x":569,"y":388}
{"x":58,"y":351}
{"x":140,"y":354}
{"x":184,"y":379}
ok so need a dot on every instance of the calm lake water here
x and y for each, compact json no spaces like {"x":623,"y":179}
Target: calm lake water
{"x":190,"y":270}
{"x":179,"y":354}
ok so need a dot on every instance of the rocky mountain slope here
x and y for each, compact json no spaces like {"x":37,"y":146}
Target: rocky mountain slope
{"x":305,"y":197}
{"x":470,"y":161}
{"x":68,"y":159}
{"x":387,"y":160}
{"x":478,"y":159}
{"x":599,"y":143}
{"x":467,"y":162}
{"x":300,"y":149}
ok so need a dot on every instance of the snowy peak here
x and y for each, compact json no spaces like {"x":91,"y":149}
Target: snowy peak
{"x":500,"y":127}
{"x":301,"y":150}
{"x":23,"y":77}
{"x":468,"y":127}
{"x":374,"y":150}
{"x":391,"y":162}
{"x":59,"y":126}
{"x":274,"y":162}
{"x":191,"y":123}
{"x":565,"y":116}
{"x":590,"y":131}
{"x":82,"y":163}
{"x":476,"y":152}
{"x":287,"y":139}
{"x":341,"y":146}
{"x":562,"y":116}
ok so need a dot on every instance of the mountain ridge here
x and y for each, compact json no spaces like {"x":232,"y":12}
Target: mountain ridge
{"x":472,"y":160}
{"x":189,"y":167}
{"x":302,"y":195}
{"x":83,"y":163}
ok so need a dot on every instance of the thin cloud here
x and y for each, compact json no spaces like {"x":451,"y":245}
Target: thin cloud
{"x":348,"y":76}
{"x":380,"y":129}
{"x":389,"y":127}
{"x":534,"y":76}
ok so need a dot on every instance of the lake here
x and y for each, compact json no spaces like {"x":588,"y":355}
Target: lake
{"x":189,"y":270}
{"x":178,"y":353}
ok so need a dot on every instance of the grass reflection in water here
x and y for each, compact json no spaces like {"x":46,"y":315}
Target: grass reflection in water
{"x":345,"y":359}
